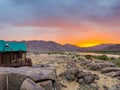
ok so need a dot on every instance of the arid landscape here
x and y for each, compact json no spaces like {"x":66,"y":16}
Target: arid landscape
{"x":59,"y":44}
{"x":102,"y":74}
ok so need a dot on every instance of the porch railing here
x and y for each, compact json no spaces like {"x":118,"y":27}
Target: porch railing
{"x":19,"y":62}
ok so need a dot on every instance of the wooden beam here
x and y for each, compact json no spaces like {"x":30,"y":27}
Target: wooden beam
{"x":11,"y":57}
{"x":0,"y":58}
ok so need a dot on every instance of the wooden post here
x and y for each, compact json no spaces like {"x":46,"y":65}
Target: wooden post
{"x":0,"y":58}
{"x":25,"y":55}
{"x":11,"y":57}
{"x":20,"y":54}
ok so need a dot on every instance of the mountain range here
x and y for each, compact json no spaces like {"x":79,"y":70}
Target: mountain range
{"x":35,"y":45}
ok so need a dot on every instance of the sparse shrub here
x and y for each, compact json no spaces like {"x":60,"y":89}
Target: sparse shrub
{"x":102,"y":57}
{"x":88,"y":56}
{"x":73,"y":57}
{"x":62,"y":53}
{"x":77,"y":55}
{"x":112,"y":58}
{"x":80,"y":58}
{"x":69,"y":54}
{"x":119,"y":58}
{"x":49,"y":53}
{"x":117,"y":62}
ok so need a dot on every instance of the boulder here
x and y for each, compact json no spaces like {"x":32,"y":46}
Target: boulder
{"x":35,"y":73}
{"x":100,"y":66}
{"x":110,"y":69}
{"x":81,"y":74}
{"x":30,"y":85}
{"x":105,"y":87}
{"x":88,"y":87}
{"x":47,"y":85}
{"x":71,"y":74}
{"x":70,"y":77}
{"x":88,"y":79}
{"x":114,"y":74}
{"x":94,"y":66}
{"x":115,"y":87}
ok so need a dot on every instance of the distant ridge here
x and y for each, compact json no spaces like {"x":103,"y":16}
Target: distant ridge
{"x":48,"y":46}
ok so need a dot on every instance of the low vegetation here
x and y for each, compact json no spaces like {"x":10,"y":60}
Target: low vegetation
{"x":107,"y":52}
{"x":90,"y":57}
{"x":104,"y":57}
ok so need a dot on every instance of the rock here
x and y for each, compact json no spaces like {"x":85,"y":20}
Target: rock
{"x":59,"y":86}
{"x":94,"y":86}
{"x":61,"y":75}
{"x":88,"y":87}
{"x":115,"y":87}
{"x":3,"y":85}
{"x":94,"y":66}
{"x":110,"y":69}
{"x":114,"y":74}
{"x":81,"y":74}
{"x":15,"y":81}
{"x":81,"y":81}
{"x":71,"y":74}
{"x":84,"y":62}
{"x":95,"y":76}
{"x":30,"y":85}
{"x":36,"y":73}
{"x":105,"y":87}
{"x":88,"y":79}
{"x":70,"y":77}
{"x":99,"y":66}
{"x":47,"y":85}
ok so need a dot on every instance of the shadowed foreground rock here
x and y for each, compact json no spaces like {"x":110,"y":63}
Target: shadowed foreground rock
{"x":26,"y":78}
{"x":115,"y":87}
{"x":86,"y":80}
{"x":100,"y":66}
{"x":30,"y":85}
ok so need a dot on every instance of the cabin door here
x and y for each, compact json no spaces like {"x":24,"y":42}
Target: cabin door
{"x":6,"y":58}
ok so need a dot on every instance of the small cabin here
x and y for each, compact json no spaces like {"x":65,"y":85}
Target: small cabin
{"x":13,"y":54}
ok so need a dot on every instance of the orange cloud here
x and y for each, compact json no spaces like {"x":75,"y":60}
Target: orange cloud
{"x":61,"y":31}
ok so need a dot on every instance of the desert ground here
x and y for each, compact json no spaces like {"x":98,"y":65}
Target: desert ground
{"x":67,"y":60}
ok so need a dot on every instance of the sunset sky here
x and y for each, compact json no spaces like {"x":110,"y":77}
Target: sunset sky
{"x":78,"y":22}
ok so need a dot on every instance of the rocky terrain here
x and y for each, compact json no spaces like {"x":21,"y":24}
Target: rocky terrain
{"x":77,"y":72}
{"x":28,"y":78}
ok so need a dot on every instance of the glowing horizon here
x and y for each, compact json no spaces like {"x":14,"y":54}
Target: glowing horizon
{"x":83,"y":23}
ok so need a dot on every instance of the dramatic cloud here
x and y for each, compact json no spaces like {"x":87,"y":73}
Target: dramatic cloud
{"x":64,"y":21}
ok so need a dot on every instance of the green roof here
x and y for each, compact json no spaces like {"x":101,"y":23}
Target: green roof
{"x":12,"y":46}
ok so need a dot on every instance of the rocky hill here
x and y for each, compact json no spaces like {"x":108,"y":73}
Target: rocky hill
{"x":47,"y":46}
{"x":50,"y":46}
{"x":53,"y":46}
{"x":115,"y":47}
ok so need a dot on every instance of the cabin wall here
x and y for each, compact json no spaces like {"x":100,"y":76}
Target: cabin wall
{"x":0,"y":58}
{"x":9,"y":57}
{"x":6,"y":59}
{"x":19,"y":55}
{"x":14,"y":56}
{"x":23,"y":55}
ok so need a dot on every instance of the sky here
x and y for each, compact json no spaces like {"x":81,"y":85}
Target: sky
{"x":79,"y":22}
